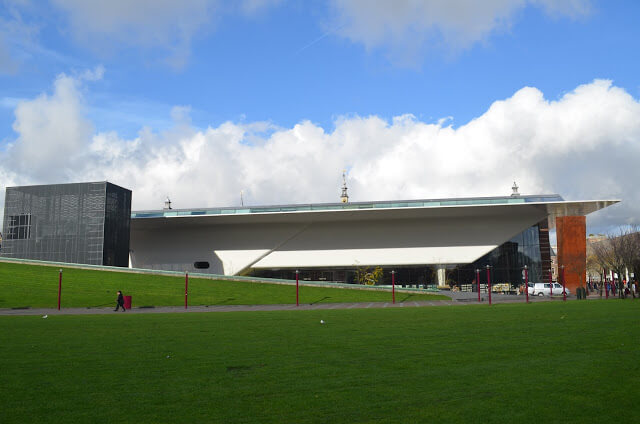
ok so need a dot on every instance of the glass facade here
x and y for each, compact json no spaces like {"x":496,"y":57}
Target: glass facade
{"x":85,"y":223}
{"x":508,"y":260}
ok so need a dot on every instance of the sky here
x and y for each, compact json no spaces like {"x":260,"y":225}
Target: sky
{"x":200,"y":100}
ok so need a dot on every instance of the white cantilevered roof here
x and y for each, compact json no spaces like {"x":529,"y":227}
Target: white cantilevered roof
{"x":443,"y":231}
{"x":551,"y":205}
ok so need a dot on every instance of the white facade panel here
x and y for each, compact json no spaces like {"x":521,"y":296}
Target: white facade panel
{"x":367,"y":257}
{"x":234,"y":261}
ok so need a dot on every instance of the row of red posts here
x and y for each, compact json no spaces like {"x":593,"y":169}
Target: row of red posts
{"x":393,"y":286}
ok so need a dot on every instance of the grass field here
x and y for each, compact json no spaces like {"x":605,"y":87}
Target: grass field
{"x":573,"y":362}
{"x":36,"y":286}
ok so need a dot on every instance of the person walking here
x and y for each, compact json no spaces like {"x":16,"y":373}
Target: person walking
{"x":120,"y":302}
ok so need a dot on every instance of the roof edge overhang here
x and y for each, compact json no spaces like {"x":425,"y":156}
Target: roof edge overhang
{"x":550,"y":209}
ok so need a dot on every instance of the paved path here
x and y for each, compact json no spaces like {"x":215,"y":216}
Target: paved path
{"x":457,"y":299}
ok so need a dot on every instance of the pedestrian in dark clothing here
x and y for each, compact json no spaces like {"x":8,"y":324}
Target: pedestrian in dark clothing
{"x":120,"y":302}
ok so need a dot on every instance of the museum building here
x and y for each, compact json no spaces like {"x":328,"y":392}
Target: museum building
{"x":431,"y":241}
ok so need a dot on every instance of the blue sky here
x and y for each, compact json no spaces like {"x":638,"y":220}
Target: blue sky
{"x":257,"y":68}
{"x":266,"y":67}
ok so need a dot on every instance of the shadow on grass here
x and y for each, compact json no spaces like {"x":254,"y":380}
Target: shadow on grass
{"x":407,"y":297}
{"x":101,"y":305}
{"x":320,"y":300}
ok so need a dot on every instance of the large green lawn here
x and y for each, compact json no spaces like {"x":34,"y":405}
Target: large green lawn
{"x":573,"y":362}
{"x":36,"y":286}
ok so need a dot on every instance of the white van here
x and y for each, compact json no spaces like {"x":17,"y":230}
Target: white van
{"x":542,"y":289}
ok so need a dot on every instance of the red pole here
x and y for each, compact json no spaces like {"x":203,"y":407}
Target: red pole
{"x":606,"y":286}
{"x":489,"y":283}
{"x":564,"y":286}
{"x":59,"y":288}
{"x":478,"y":282}
{"x":393,"y":286}
{"x":526,"y":282}
{"x":297,"y":289}
{"x":186,"y":288}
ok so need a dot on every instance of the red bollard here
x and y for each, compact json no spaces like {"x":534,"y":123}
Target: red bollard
{"x":526,"y":282}
{"x":186,"y":288}
{"x":59,"y":288}
{"x":297,"y":290}
{"x":393,"y":286}
{"x":478,"y":282}
{"x":489,"y":283}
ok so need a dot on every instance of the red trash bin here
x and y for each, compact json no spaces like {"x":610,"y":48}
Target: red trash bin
{"x":127,"y":302}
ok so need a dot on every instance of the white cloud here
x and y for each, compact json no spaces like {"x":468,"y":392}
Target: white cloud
{"x":406,"y":28}
{"x":52,"y":131}
{"x":165,"y":25}
{"x":94,"y":74}
{"x":582,"y":146}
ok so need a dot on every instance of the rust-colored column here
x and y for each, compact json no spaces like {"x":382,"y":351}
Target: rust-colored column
{"x":571,"y":232}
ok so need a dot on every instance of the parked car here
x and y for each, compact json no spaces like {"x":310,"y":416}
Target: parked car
{"x":542,"y":289}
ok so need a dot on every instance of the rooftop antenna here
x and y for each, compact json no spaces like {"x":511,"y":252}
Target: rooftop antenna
{"x":515,"y":190}
{"x":167,"y":203}
{"x":344,"y":197}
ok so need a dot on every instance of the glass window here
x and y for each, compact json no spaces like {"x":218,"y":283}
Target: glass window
{"x":18,"y":227}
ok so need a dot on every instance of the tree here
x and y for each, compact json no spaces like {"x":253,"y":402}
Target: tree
{"x":620,"y":252}
{"x":630,"y":250}
{"x":594,"y":268}
{"x":608,"y":254}
{"x":369,"y":277}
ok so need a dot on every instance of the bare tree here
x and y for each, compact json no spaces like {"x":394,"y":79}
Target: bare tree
{"x":630,"y":250}
{"x":635,"y":261}
{"x":620,"y":252}
{"x":608,"y":254}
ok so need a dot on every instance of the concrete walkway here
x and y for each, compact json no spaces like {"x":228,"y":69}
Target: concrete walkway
{"x":458,"y":299}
